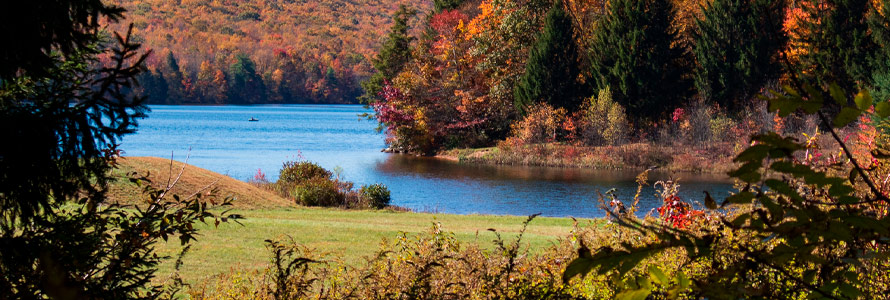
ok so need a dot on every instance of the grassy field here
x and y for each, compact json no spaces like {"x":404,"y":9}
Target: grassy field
{"x":348,"y":236}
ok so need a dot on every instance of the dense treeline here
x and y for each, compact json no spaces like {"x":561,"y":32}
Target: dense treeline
{"x":485,"y":70}
{"x":242,"y":52}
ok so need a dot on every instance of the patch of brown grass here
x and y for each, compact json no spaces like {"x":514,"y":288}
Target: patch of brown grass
{"x":193,"y":180}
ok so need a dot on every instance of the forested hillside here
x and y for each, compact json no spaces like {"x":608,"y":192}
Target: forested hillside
{"x":258,"y":51}
{"x":595,"y":73}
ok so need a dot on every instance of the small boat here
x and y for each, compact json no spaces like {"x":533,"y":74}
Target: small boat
{"x":252,"y":119}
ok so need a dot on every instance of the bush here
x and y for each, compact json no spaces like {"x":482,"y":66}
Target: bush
{"x":377,"y":195}
{"x":542,"y":124}
{"x":299,"y":171}
{"x":317,"y":191}
{"x":604,"y":120}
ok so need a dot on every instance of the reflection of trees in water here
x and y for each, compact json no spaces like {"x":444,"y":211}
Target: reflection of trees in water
{"x":439,"y":168}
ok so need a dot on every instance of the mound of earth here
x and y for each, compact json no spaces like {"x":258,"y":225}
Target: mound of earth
{"x":160,"y":171}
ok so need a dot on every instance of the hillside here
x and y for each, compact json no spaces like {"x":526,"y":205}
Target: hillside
{"x":259,"y":51}
{"x":193,"y":180}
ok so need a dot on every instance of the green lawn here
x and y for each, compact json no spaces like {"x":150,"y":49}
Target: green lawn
{"x":349,"y":235}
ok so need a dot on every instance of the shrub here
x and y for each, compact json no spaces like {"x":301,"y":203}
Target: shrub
{"x":377,"y":195}
{"x":811,"y":228}
{"x":700,"y":115}
{"x":605,"y":121}
{"x":542,"y":124}
{"x":299,"y":171}
{"x":720,"y":127}
{"x":317,"y":191}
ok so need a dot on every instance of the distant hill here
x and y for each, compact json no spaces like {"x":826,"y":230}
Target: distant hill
{"x":193,"y":180}
{"x":259,"y":51}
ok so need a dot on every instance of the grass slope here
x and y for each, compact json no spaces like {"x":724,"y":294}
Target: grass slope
{"x":161,"y":170}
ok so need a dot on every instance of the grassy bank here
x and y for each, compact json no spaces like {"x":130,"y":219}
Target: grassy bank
{"x":707,"y":159}
{"x":348,"y":236}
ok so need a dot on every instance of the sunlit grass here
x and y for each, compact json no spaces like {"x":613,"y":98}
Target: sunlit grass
{"x":348,"y":235}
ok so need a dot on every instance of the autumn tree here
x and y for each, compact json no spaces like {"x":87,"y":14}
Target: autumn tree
{"x":392,"y":57}
{"x":635,"y":55}
{"x":737,"y":44}
{"x":551,"y":73}
{"x":837,"y":43}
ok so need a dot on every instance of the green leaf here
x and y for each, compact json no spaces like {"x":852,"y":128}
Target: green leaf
{"x":710,"y":203}
{"x":682,"y":280}
{"x":815,"y":96}
{"x":838,"y":94}
{"x":658,"y":276}
{"x":579,"y":266}
{"x":883,"y":109}
{"x":639,"y":294}
{"x":741,"y":198}
{"x":846,"y":116}
{"x":863,"y":100}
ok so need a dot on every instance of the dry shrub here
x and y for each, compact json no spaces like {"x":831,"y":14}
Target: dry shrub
{"x":604,"y":120}
{"x":543,"y":124}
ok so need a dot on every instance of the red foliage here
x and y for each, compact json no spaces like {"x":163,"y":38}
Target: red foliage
{"x":678,"y":115}
{"x":446,"y":21}
{"x":259,"y":176}
{"x":386,"y":110}
{"x":678,"y":213}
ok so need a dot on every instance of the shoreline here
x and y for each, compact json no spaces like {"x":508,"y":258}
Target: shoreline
{"x":638,"y":156}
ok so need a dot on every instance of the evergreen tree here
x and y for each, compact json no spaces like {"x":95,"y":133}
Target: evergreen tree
{"x":879,"y":23}
{"x":246,"y":86}
{"x":737,"y":45}
{"x":393,"y":56}
{"x":175,"y":90}
{"x":837,"y":42}
{"x":441,"y":5}
{"x":634,"y":54}
{"x":154,"y":86}
{"x":552,"y":70}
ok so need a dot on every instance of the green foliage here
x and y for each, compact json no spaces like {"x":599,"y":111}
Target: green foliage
{"x":605,"y":120}
{"x":58,"y":239}
{"x":317,"y":191}
{"x":377,"y":194}
{"x":245,"y":86}
{"x":440,"y":5}
{"x":838,"y":43}
{"x":299,"y":171}
{"x":551,"y":72}
{"x":72,"y":119}
{"x":879,"y":24}
{"x":635,"y":53}
{"x":737,"y":46}
{"x":393,"y":55}
{"x":796,"y":228}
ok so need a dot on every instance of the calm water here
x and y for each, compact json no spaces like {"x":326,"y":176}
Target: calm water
{"x":220,"y":138}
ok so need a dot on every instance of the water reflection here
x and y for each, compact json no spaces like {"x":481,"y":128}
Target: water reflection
{"x":460,"y":188}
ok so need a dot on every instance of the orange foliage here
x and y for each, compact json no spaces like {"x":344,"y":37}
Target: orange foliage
{"x":302,"y":39}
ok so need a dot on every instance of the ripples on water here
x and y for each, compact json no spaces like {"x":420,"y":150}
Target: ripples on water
{"x":220,"y":138}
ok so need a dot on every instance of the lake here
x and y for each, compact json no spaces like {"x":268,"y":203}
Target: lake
{"x":220,"y":139}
